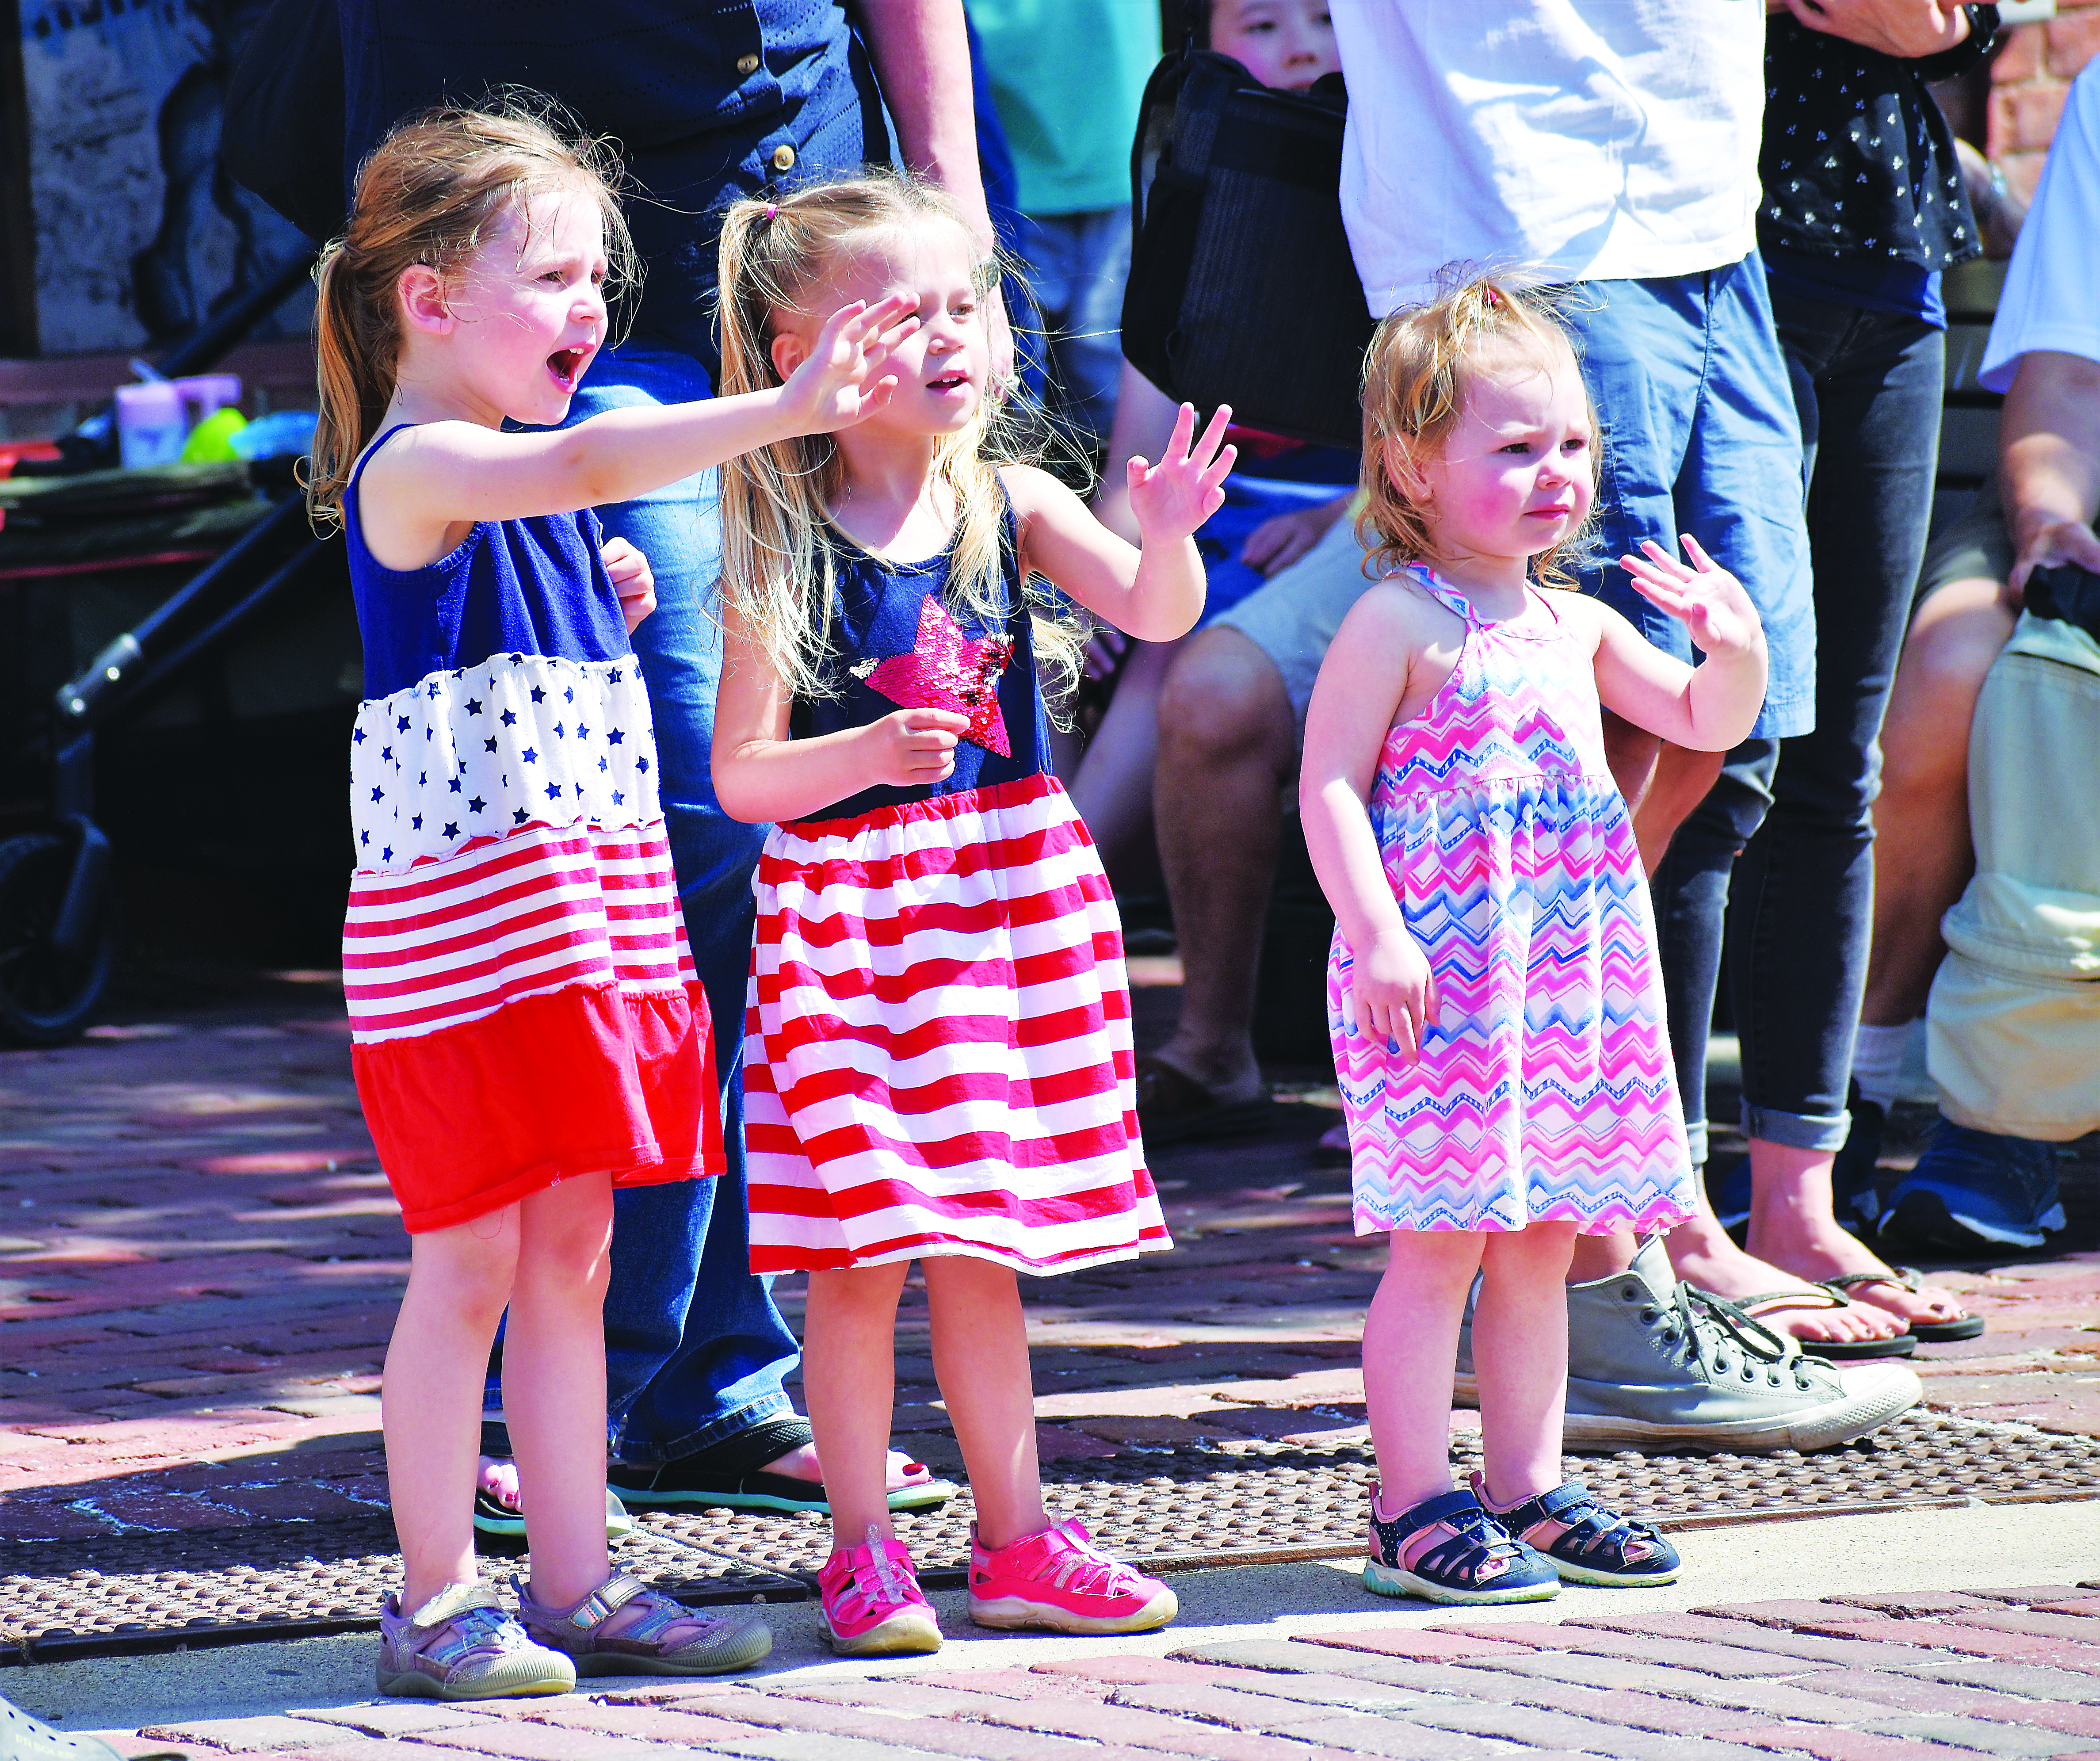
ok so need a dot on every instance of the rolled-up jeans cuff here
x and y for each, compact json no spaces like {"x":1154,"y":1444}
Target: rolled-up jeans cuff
{"x":632,"y":1454}
{"x":1695,"y":1141}
{"x":1796,"y":1130}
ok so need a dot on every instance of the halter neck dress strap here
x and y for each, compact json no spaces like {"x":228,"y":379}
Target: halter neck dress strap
{"x":1444,"y":594}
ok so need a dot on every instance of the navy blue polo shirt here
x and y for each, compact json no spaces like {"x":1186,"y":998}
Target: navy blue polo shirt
{"x":708,"y":102}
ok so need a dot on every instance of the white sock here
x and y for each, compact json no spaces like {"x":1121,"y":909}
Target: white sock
{"x":1878,"y":1060}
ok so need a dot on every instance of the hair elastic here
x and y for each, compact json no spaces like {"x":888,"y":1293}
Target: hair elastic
{"x":771,"y":210}
{"x":1491,"y":296}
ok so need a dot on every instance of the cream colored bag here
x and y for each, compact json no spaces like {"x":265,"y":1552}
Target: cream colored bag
{"x":2013,"y":1028}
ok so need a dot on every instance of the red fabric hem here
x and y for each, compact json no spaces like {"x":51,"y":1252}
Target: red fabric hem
{"x":585,"y":1079}
{"x":768,"y":1258}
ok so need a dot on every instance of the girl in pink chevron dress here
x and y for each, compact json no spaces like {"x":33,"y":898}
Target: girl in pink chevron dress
{"x":1493,"y":996}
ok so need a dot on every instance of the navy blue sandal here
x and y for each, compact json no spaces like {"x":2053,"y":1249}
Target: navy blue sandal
{"x":1593,"y":1545}
{"x":1472,"y":1560}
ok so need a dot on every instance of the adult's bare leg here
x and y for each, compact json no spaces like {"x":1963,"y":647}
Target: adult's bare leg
{"x":1228,"y":747}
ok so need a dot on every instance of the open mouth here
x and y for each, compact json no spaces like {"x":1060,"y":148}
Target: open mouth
{"x":566,"y":365}
{"x":948,"y":383}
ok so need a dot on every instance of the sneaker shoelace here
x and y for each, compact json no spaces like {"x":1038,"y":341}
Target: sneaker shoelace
{"x":1708,"y":1323}
{"x":892,"y":1583}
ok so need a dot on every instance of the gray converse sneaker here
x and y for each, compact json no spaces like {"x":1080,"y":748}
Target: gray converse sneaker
{"x":462,"y":1645}
{"x":1653,"y":1362}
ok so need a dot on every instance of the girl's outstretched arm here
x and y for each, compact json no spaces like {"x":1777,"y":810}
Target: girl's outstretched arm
{"x":1154,"y":593}
{"x":1361,"y":684}
{"x":444,"y":473}
{"x":1709,"y":707}
{"x":760,"y":775}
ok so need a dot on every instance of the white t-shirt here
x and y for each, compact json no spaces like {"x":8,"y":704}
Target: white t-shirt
{"x":1596,"y":138}
{"x":2052,"y":296}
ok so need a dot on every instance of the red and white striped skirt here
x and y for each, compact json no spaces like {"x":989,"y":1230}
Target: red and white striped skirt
{"x":937,"y":1042}
{"x":526,"y":1011}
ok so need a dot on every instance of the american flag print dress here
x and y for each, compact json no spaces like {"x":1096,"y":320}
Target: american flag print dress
{"x":1545,"y":1090}
{"x":938,"y":1055}
{"x":524,"y":1006}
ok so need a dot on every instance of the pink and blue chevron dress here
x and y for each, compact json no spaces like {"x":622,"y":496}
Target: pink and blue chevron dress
{"x":1545,"y":1091}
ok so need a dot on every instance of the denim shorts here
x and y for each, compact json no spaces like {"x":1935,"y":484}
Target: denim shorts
{"x":1701,"y":436}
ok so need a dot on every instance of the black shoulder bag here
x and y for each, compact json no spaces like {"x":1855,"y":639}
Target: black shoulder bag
{"x":1241,"y":288}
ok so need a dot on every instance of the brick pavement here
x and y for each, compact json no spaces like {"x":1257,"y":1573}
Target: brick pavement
{"x":1849,"y":1678}
{"x":199,"y":1263}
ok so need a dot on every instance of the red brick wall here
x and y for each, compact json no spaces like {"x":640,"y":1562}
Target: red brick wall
{"x":2029,"y":79}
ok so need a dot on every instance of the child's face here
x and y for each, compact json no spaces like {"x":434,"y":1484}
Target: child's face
{"x":942,"y":367}
{"x":1289,"y":43}
{"x":527,"y":314}
{"x":1515,"y":476}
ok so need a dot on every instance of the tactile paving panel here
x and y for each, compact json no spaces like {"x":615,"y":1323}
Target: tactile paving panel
{"x":1194,"y":1505}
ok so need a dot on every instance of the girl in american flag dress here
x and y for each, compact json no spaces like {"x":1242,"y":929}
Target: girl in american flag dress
{"x":937,"y":1061}
{"x":528,"y":1030}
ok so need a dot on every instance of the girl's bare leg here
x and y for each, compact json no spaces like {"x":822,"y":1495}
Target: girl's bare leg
{"x":849,"y":1380}
{"x":1521,"y":1355}
{"x":980,"y":1359}
{"x":459,"y":1279}
{"x":1410,"y":1353}
{"x":553,"y":1383}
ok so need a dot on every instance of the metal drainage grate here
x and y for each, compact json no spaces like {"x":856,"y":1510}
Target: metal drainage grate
{"x":1179,"y":1509}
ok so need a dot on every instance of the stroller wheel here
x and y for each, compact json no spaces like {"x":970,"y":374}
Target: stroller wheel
{"x":47,"y":992}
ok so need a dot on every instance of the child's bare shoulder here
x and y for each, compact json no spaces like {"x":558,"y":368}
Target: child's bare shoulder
{"x":1398,"y":609}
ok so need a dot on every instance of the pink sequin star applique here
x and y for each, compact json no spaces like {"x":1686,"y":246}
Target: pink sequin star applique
{"x":945,"y":671}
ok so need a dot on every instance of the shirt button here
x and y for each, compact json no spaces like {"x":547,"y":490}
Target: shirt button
{"x":783,"y":157}
{"x":746,"y":65}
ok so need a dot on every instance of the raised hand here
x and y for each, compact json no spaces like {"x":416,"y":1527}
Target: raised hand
{"x":632,"y":579}
{"x":843,"y":381}
{"x":1706,"y":597}
{"x":1171,"y":499}
{"x":915,"y":749}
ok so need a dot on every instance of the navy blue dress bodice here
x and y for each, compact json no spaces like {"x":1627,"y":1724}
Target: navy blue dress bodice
{"x":897,"y":642}
{"x":536,"y":586}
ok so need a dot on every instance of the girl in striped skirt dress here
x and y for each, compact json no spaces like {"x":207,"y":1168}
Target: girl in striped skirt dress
{"x":1493,"y":993}
{"x":937,"y":1060}
{"x":528,"y":1032}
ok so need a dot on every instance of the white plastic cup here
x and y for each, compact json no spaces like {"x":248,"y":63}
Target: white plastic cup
{"x":207,"y":394}
{"x":152,"y":424}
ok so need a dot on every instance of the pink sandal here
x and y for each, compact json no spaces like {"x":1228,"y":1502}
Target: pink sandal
{"x":872,"y":1602}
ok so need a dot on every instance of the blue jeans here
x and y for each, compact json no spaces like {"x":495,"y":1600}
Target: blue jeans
{"x":1701,"y":437}
{"x":1783,"y":845}
{"x":695,"y":1351}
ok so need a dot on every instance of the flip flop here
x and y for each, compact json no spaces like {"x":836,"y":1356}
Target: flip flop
{"x":1173,"y":1107}
{"x":1906,"y":1278}
{"x":1831,"y":1351}
{"x":500,"y":1522}
{"x":732,"y":1475}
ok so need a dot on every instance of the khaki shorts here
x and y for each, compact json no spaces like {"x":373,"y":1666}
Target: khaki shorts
{"x":1293,"y":616}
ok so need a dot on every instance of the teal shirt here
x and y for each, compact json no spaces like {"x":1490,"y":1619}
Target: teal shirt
{"x":1066,"y":76}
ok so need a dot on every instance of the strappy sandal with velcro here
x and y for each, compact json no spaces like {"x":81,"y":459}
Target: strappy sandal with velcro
{"x":1906,"y":1278}
{"x":1449,"y":1549}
